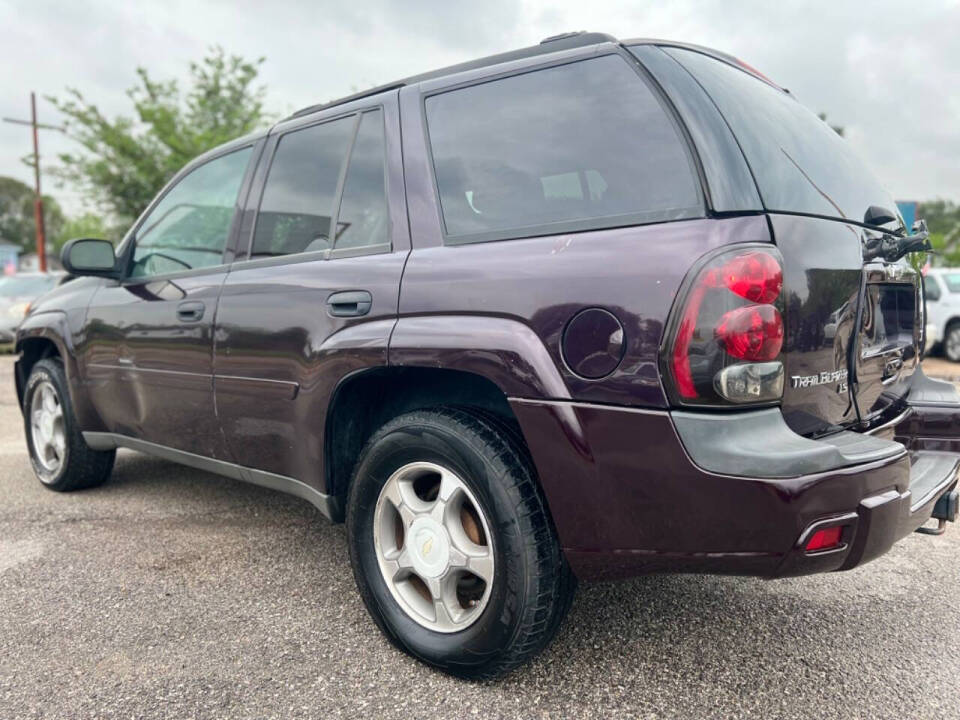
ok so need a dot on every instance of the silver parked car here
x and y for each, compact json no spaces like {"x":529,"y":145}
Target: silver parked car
{"x":17,"y":292}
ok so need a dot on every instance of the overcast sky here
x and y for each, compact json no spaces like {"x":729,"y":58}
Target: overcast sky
{"x":887,"y":71}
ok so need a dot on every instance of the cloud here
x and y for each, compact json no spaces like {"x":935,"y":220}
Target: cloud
{"x":890,"y":74}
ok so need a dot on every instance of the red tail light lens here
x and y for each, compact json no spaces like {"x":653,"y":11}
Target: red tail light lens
{"x":752,"y":333}
{"x":730,"y":319}
{"x":755,"y":276}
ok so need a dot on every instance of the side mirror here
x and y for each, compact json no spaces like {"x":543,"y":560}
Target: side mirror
{"x":89,"y":256}
{"x":878,"y":216}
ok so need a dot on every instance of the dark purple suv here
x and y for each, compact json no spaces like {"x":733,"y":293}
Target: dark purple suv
{"x":589,"y":309}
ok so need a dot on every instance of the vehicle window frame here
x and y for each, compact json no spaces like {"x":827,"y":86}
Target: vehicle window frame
{"x":128,"y":245}
{"x":255,"y":195}
{"x":697,"y":212}
{"x":946,"y":284}
{"x":372,"y":249}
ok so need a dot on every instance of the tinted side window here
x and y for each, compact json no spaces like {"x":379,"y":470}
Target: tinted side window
{"x":189,"y":227}
{"x":585,"y":144}
{"x":800,"y":163}
{"x":931,"y":288}
{"x":953,"y":282}
{"x":363,"y":210}
{"x":298,"y":197}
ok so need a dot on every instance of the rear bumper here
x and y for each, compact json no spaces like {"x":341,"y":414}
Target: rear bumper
{"x":631,"y":493}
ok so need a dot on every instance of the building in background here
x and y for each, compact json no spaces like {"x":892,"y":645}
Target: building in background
{"x":9,"y":256}
{"x":908,"y":208}
{"x":28,"y":262}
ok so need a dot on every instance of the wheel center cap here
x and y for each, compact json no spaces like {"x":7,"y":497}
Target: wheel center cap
{"x":46,"y":424}
{"x":430,"y":547}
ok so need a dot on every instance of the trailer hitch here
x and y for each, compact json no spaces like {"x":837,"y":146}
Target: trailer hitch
{"x":943,"y":512}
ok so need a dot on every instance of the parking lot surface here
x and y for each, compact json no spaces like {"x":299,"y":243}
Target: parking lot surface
{"x":169,"y":592}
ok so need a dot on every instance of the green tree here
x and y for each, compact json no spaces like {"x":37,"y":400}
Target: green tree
{"x":17,"y":223}
{"x":943,"y":220}
{"x":88,"y":225}
{"x":125,"y":161}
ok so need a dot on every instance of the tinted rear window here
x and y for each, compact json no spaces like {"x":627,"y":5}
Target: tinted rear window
{"x":569,"y":147}
{"x":800,"y":163}
{"x":297,"y":202}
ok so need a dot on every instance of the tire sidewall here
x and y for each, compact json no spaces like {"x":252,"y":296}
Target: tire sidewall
{"x":46,"y":371}
{"x":494,"y":629}
{"x":953,"y":331}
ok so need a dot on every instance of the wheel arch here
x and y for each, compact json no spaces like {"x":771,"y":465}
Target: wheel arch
{"x":42,"y":336}
{"x":366,"y":400}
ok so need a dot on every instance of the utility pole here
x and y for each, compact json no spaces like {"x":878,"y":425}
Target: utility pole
{"x":38,"y":197}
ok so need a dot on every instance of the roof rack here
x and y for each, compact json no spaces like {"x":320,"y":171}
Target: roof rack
{"x":548,"y":45}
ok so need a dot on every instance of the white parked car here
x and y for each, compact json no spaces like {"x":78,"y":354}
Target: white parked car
{"x":942,"y":287}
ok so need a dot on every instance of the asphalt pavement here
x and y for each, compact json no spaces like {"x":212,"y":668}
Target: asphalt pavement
{"x":169,"y":592}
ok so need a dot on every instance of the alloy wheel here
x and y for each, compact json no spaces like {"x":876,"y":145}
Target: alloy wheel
{"x":434,"y":547}
{"x":47,"y":434}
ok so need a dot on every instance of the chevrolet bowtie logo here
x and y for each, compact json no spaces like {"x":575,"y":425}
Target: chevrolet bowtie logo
{"x":427,"y":547}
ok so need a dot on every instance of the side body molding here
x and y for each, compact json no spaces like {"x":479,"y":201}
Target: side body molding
{"x":327,"y":505}
{"x":506,"y":352}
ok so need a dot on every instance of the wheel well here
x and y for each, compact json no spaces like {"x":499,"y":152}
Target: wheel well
{"x":32,"y":350}
{"x":366,"y":401}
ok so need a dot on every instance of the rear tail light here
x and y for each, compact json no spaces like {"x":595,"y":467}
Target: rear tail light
{"x":752,"y":333}
{"x":729,"y":331}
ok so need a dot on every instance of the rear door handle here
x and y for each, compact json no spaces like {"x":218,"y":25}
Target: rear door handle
{"x":350,"y":303}
{"x":190,"y":311}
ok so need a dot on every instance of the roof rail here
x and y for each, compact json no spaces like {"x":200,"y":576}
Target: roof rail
{"x":349,"y":98}
{"x":564,"y":36}
{"x":552,"y":44}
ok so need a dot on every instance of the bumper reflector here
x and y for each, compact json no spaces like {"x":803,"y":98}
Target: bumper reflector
{"x":825,"y":539}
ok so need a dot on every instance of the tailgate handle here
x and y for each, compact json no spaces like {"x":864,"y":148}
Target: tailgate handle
{"x":350,"y":303}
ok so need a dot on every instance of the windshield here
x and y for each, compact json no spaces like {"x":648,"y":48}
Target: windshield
{"x":800,"y":163}
{"x":27,"y":286}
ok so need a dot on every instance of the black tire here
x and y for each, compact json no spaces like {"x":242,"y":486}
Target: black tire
{"x":80,"y":467}
{"x":533,"y":586}
{"x":951,"y":342}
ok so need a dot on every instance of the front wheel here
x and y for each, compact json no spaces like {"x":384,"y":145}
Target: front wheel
{"x":452,"y":546}
{"x":61,"y":459}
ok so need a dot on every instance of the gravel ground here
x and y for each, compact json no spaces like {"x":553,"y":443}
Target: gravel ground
{"x":173,"y":593}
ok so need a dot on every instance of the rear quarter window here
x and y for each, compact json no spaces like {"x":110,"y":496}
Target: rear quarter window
{"x":570,"y":147}
{"x":800,"y":163}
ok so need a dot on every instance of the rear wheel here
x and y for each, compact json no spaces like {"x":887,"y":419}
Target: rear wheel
{"x":61,"y":459}
{"x":951,"y":342}
{"x":452,"y":546}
